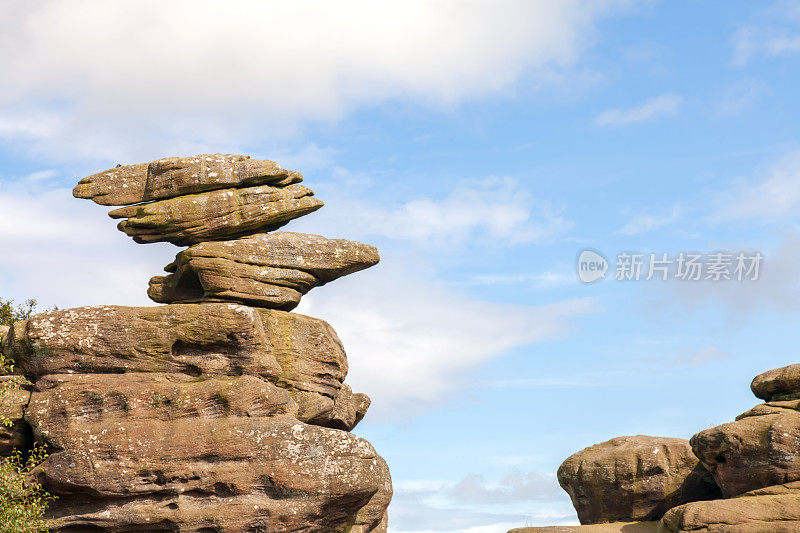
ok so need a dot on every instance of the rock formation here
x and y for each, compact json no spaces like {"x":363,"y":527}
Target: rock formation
{"x":634,"y":478}
{"x":754,"y":462}
{"x":221,"y":411}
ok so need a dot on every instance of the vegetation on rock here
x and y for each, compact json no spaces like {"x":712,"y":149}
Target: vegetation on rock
{"x":23,"y":502}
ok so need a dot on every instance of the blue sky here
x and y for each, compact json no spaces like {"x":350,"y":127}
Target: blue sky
{"x":481,"y":146}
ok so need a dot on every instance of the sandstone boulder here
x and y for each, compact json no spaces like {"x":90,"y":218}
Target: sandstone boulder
{"x":157,"y":452}
{"x":177,"y":176}
{"x":267,"y":270}
{"x":3,"y":333}
{"x":634,"y":478}
{"x":778,"y":384}
{"x":298,"y":353}
{"x":753,"y":452}
{"x":216,"y":215}
{"x":769,"y":510}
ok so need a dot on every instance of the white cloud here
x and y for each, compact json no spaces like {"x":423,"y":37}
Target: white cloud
{"x":131,"y":79}
{"x":753,"y":41}
{"x":661,"y":106}
{"x":700,"y":357}
{"x":411,"y":340}
{"x":475,"y":504}
{"x":773,"y":195}
{"x":645,"y":223}
{"x":66,"y":252}
{"x":494,"y":210}
{"x":543,"y":280}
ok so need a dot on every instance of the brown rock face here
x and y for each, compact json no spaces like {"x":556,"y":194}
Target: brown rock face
{"x":267,"y":270}
{"x":634,"y":478}
{"x":12,"y":405}
{"x":778,"y":384}
{"x":296,"y":352}
{"x":753,"y":452}
{"x":216,"y":215}
{"x":159,"y":452}
{"x":177,"y":176}
{"x":770,"y":510}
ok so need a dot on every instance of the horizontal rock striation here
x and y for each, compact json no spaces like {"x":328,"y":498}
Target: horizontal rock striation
{"x":216,"y":215}
{"x":769,"y":510}
{"x":178,"y":176}
{"x":298,"y":353}
{"x":269,"y":270}
{"x":224,"y":453}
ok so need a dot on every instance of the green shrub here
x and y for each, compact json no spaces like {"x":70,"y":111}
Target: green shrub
{"x":23,"y":502}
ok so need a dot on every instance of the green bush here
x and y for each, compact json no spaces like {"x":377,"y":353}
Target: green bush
{"x":23,"y":502}
{"x":9,"y":315}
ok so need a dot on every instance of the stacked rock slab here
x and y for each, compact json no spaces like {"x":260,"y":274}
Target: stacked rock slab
{"x":754,"y":462}
{"x":220,"y":412}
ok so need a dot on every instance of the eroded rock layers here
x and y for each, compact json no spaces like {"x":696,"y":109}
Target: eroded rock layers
{"x":220,"y":411}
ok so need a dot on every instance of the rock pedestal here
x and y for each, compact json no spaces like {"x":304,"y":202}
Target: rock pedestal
{"x":220,"y":412}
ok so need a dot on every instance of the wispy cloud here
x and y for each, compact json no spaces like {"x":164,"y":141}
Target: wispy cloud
{"x":740,"y":96}
{"x":777,"y":35}
{"x":645,"y":222}
{"x":771,"y":195}
{"x":770,"y":42}
{"x":543,"y":280}
{"x":699,"y":358}
{"x":661,"y":106}
{"x":494,"y":210}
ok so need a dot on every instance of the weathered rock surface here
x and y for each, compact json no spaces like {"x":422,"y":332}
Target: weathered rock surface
{"x":634,"y":478}
{"x":12,"y":403}
{"x":769,"y":510}
{"x":267,"y":270}
{"x":612,"y":527}
{"x":216,"y":215}
{"x":177,"y":176}
{"x":3,"y":332}
{"x":296,"y":352}
{"x":157,"y":452}
{"x":778,"y":384}
{"x":753,"y":452}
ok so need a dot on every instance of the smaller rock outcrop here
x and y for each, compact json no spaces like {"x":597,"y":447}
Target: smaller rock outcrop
{"x":754,"y":462}
{"x":268,"y":270}
{"x":634,"y":478}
